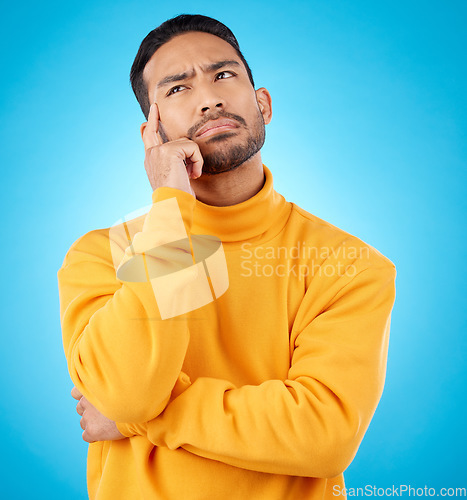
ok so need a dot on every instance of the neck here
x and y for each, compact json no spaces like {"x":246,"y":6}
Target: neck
{"x":232,"y":187}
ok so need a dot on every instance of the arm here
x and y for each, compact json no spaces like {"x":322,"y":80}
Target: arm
{"x":310,"y":424}
{"x":121,"y":356}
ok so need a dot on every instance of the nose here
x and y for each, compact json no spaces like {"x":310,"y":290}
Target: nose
{"x":205,"y":109}
{"x":209,"y":100}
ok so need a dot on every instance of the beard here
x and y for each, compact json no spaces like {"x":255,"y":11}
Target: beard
{"x":226,"y":156}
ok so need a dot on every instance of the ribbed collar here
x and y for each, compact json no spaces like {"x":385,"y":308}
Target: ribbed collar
{"x":262,"y":216}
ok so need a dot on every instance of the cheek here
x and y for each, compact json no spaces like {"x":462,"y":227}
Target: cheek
{"x":252,"y":112}
{"x":247,"y":104}
{"x":174,"y":121}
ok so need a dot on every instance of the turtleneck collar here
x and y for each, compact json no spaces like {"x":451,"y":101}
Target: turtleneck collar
{"x":263,"y":215}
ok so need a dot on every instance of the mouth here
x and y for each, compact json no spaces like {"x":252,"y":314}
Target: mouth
{"x":213,"y":127}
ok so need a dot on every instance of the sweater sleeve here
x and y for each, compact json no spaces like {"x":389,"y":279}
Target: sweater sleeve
{"x":312,"y":423}
{"x":122,"y":355}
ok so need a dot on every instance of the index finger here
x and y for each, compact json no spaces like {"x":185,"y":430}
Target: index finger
{"x":75,"y":393}
{"x":150,"y":138}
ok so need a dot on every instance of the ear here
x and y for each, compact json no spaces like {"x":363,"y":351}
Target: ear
{"x":263,"y":98}
{"x":142,"y":128}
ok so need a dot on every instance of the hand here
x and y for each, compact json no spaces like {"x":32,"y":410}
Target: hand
{"x":96,"y":427}
{"x":170,"y":164}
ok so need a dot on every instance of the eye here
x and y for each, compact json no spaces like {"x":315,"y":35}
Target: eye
{"x":175,"y":90}
{"x":225,"y":74}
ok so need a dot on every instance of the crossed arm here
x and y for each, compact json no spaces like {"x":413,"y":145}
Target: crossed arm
{"x":310,"y":424}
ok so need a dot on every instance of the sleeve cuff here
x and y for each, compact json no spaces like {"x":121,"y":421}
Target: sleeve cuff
{"x":171,"y":214}
{"x":185,"y":201}
{"x":131,"y":429}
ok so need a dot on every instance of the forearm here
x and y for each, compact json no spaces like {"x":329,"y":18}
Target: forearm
{"x":121,"y":354}
{"x":277,"y":427}
{"x":310,"y":424}
{"x":125,"y":360}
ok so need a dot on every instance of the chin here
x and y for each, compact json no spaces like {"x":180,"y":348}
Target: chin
{"x":220,"y":137}
{"x":222,"y":154}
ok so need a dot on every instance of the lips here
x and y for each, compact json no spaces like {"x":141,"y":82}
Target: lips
{"x":215,"y":126}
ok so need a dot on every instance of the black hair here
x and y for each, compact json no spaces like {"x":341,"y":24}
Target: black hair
{"x":164,"y":33}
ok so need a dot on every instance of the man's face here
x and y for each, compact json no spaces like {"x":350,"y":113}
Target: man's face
{"x":203,"y":92}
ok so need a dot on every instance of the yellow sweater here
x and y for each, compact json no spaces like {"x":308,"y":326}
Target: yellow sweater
{"x":265,"y":392}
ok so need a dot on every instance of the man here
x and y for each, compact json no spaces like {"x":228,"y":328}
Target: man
{"x":253,"y":374}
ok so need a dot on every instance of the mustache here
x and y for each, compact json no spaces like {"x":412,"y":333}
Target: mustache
{"x":221,"y":114}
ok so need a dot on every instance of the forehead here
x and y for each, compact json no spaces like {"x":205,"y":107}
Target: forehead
{"x":185,"y":52}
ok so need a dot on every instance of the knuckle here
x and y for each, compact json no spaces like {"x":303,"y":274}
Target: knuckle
{"x":92,"y":431}
{"x":86,"y":437}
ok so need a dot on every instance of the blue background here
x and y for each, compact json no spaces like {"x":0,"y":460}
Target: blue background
{"x":369,"y":133}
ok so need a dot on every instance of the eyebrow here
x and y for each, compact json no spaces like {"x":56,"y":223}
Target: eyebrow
{"x":207,"y":69}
